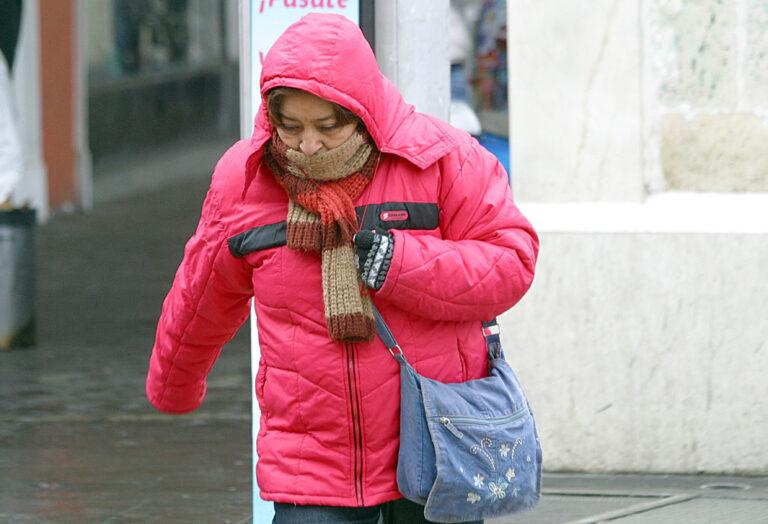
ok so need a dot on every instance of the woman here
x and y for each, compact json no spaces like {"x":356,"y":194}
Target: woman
{"x":341,"y":170}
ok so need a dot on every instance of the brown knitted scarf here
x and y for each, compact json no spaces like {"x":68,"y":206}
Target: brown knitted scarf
{"x":321,"y":218}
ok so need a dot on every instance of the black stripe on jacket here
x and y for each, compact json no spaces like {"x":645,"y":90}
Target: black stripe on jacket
{"x":388,"y":215}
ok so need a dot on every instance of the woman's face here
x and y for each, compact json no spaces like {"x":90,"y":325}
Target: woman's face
{"x":309,"y":124}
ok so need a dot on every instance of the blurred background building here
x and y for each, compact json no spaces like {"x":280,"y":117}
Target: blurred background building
{"x":104,"y":80}
{"x":97,"y":82}
{"x":478,"y":56}
{"x":162,"y":83}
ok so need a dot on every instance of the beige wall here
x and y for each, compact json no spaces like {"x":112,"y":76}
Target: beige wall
{"x":575,"y":100}
{"x":646,"y":352}
{"x":639,"y":143}
{"x":630,"y":97}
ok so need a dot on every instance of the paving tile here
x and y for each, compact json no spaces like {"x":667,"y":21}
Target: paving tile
{"x":558,"y":508}
{"x":709,"y":511}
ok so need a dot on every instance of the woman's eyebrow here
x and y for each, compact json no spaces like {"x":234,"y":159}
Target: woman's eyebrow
{"x":283,"y":116}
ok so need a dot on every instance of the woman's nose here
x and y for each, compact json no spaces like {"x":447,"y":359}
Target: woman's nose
{"x":310,"y":144}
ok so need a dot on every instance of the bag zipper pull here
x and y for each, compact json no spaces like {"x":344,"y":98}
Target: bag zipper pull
{"x":445,"y":421}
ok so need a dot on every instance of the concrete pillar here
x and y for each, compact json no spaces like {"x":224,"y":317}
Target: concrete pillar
{"x":83,"y":159}
{"x":638,"y":139}
{"x":575,"y":100}
{"x":412,"y":49}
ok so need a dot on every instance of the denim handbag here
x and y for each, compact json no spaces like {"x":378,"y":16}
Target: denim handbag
{"x":468,"y":450}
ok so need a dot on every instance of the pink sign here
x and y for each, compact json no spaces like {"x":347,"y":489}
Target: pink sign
{"x":268,"y":19}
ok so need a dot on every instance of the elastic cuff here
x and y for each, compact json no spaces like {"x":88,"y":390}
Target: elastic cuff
{"x":378,"y":261}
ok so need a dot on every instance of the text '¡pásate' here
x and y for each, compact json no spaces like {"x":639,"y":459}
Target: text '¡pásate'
{"x":300,"y":4}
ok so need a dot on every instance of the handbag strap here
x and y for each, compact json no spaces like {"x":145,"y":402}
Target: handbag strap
{"x":492,"y":334}
{"x":386,"y":336}
{"x":490,"y":331}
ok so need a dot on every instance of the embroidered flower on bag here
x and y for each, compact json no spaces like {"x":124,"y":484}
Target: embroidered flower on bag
{"x":495,"y":454}
{"x":472,"y":497}
{"x":510,"y":474}
{"x":497,"y":490}
{"x":479,"y":479}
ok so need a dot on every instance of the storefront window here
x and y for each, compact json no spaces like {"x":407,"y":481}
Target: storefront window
{"x":130,"y":37}
{"x":478,"y":52}
{"x":160,"y":71}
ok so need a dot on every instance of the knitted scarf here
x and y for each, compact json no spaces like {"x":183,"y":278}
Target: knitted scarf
{"x":321,"y":218}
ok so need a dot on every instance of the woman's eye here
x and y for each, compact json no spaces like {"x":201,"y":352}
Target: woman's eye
{"x":290,"y":129}
{"x":329,"y":128}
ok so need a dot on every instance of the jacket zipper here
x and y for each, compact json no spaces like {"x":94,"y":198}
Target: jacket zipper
{"x":354,"y":400}
{"x":357,"y":431}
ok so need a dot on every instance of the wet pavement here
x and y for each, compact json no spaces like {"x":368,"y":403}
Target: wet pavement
{"x":80,"y":444}
{"x":78,"y":440}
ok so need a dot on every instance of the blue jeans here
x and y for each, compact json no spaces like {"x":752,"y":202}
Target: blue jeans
{"x":396,"y":512}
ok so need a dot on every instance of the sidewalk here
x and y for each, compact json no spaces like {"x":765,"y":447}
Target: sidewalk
{"x":649,"y":499}
{"x":79,"y":443}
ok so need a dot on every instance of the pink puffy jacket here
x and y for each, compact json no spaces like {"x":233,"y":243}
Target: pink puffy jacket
{"x":463,"y":253}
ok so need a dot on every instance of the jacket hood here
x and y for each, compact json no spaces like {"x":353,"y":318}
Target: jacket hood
{"x":328,"y":56}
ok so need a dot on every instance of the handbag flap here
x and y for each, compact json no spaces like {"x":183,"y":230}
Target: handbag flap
{"x":498,"y":395}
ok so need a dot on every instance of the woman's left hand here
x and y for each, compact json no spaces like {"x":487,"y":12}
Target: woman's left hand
{"x":373,"y":254}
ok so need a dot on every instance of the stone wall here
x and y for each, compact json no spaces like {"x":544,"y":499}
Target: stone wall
{"x":706,"y":82}
{"x":646,"y":352}
{"x":639,"y":135}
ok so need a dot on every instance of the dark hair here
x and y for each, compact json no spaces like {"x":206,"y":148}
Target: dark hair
{"x":275,"y":102}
